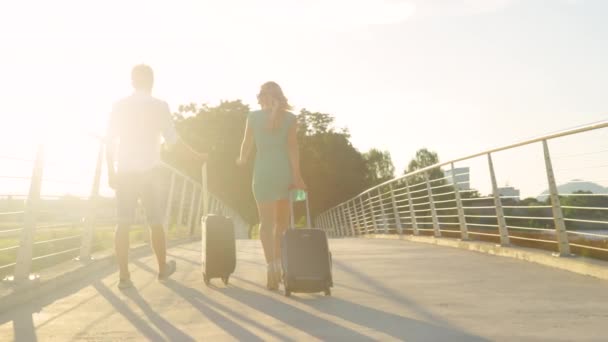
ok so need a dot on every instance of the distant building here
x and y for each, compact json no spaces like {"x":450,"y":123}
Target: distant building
{"x":462,"y":177}
{"x":509,"y":192}
{"x":573,"y":186}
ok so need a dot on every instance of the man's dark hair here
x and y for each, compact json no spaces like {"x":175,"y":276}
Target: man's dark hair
{"x":142,"y":77}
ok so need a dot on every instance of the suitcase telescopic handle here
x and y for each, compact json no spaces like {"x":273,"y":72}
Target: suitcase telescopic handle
{"x":292,"y":214}
{"x":205,"y":189}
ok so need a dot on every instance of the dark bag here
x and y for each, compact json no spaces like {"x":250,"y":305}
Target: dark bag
{"x":306,"y":259}
{"x":219,"y":248}
{"x":218,"y":242}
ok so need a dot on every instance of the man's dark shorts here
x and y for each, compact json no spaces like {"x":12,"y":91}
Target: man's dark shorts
{"x":146,"y":186}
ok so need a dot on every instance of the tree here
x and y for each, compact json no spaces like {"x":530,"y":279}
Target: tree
{"x":332,"y":168}
{"x":424,"y":158}
{"x":217,"y":131}
{"x":379,"y":165}
{"x":574,"y":203}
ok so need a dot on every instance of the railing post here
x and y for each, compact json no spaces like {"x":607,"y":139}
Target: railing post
{"x":336,"y":223}
{"x":436,"y":230}
{"x":199,"y":208}
{"x":326,"y":224}
{"x":330,"y":224}
{"x":339,"y":221}
{"x":24,"y":253}
{"x":87,"y":234}
{"x":180,"y":215}
{"x":212,"y":205}
{"x":205,"y":190}
{"x":354,"y":218}
{"x":191,"y":211}
{"x":322,"y":223}
{"x":347,"y":222}
{"x":169,"y":203}
{"x":396,"y":211}
{"x":371,"y":207}
{"x":464,"y":233}
{"x":558,"y":216}
{"x":382,"y":212}
{"x":412,"y":212}
{"x":500,"y":215}
{"x":363,"y":217}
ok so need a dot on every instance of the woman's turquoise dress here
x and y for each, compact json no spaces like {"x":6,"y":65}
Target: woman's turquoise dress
{"x":272,"y":170}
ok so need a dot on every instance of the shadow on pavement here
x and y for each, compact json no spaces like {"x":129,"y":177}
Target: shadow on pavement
{"x":397,"y":326}
{"x":217,"y":313}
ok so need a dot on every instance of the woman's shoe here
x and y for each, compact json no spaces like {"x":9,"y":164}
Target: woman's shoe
{"x":272,"y":282}
{"x":279,"y":271}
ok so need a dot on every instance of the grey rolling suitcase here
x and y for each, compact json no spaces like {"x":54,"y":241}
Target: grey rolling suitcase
{"x":219,"y":250}
{"x":217,"y":242}
{"x":306,"y":259}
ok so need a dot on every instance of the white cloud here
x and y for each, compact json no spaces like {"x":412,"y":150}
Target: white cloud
{"x":321,"y":15}
{"x":432,"y":8}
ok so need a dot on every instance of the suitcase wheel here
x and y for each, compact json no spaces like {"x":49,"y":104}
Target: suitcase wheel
{"x":287,"y":292}
{"x":205,"y":279}
{"x":327,"y":291}
{"x":226,"y":279}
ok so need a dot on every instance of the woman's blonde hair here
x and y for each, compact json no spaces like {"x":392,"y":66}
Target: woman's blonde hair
{"x":271,"y":95}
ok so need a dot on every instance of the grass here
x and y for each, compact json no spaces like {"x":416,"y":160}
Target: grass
{"x":103,"y":239}
{"x":589,"y":250}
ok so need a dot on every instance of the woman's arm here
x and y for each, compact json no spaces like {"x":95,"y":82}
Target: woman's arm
{"x":246,"y":145}
{"x":294,"y":157}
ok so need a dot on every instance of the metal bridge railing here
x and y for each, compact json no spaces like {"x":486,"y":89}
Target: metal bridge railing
{"x":445,"y":207}
{"x":40,"y":231}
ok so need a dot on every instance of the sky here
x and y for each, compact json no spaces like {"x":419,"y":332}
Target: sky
{"x":457,"y":77}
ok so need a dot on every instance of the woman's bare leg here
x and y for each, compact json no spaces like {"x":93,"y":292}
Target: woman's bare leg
{"x":267,"y":215}
{"x":281,"y":222}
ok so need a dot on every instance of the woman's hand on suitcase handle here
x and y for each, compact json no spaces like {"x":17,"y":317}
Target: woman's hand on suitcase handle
{"x":297,"y":183}
{"x":112,"y":179}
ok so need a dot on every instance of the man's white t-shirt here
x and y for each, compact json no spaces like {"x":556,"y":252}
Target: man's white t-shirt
{"x":138,"y":122}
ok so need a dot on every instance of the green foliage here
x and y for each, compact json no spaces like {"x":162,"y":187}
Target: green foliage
{"x":380,"y":166}
{"x":585,"y":214}
{"x":424,"y":158}
{"x":331,"y":167}
{"x":217,"y":131}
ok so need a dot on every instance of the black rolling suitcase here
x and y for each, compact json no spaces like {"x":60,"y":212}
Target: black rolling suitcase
{"x":306,"y":259}
{"x":218,"y":243}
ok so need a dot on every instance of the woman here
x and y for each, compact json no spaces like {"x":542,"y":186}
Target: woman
{"x":277,"y":170}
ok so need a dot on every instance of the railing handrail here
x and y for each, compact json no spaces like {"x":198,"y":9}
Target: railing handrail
{"x":486,"y":225}
{"x":585,"y":128}
{"x":199,"y":199}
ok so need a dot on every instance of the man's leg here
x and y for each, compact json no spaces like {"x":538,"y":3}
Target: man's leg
{"x":159,"y":245}
{"x":121,"y":247}
{"x":152,"y":200}
{"x":126,"y":200}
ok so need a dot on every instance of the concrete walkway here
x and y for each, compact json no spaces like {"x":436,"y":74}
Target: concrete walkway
{"x":384,"y":290}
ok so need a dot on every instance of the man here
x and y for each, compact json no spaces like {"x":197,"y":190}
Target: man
{"x":135,"y":128}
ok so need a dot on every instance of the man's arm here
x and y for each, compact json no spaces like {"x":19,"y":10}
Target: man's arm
{"x":111,"y":143}
{"x":172,"y":138}
{"x":110,"y":153}
{"x":181,"y":142}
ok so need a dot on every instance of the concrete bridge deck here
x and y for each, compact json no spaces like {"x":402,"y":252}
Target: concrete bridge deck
{"x":384,"y":290}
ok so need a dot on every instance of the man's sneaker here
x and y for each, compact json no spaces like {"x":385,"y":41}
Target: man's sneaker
{"x":169,"y":270}
{"x":125,"y":284}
